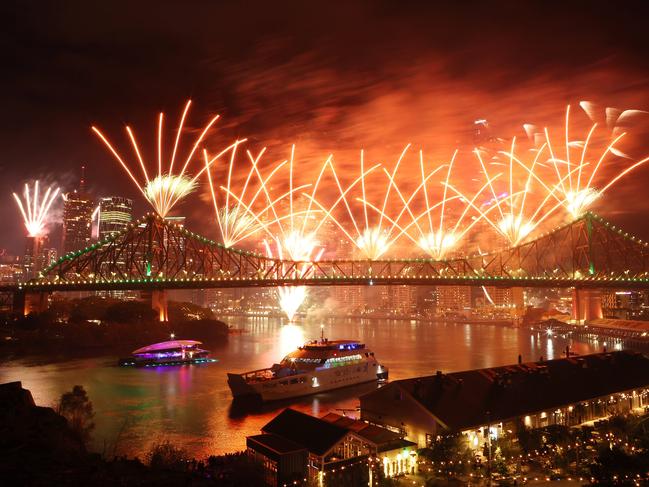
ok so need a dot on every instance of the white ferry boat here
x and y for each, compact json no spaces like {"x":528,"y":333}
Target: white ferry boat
{"x":317,"y":366}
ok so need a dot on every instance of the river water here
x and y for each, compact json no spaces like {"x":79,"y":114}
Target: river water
{"x":192,"y":407}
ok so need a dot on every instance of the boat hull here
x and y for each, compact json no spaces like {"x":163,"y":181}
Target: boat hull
{"x":304,"y":384}
{"x":127,"y":362}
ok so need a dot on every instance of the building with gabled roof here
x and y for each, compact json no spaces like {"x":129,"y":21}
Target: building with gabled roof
{"x":334,"y":450}
{"x":284,"y":462}
{"x":317,"y":436}
{"x":395,"y":454}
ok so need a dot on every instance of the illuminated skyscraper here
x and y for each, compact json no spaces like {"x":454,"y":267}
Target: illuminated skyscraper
{"x":115,"y":213}
{"x":77,"y":218}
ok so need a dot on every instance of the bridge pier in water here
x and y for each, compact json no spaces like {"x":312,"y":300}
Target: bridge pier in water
{"x":159,"y":303}
{"x":586,"y":305}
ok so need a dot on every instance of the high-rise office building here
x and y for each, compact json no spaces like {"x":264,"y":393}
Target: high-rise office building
{"x":32,"y":260}
{"x":38,"y":255}
{"x":115,"y":214}
{"x":77,"y":218}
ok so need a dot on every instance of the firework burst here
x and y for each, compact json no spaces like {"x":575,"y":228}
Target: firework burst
{"x":300,"y":248}
{"x":166,"y":188}
{"x":373,"y":237}
{"x":435,"y":235}
{"x":576,"y":173}
{"x":296,"y":236}
{"x":519,"y":214}
{"x":562,"y":180}
{"x":240,"y":215}
{"x":35,"y":209}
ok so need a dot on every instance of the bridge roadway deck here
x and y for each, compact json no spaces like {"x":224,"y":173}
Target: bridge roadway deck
{"x":209,"y":283}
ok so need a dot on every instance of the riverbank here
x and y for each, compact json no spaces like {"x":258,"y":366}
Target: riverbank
{"x":90,"y":339}
{"x":631,"y":333}
{"x":99,"y":326}
{"x":38,"y":447}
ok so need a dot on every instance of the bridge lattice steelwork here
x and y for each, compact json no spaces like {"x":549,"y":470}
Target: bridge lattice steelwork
{"x":155,"y":254}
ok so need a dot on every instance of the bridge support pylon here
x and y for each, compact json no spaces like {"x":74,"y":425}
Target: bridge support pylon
{"x":34,"y":302}
{"x":586,"y":305}
{"x":159,"y":303}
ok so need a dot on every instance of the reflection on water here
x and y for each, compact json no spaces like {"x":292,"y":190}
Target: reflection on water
{"x":192,"y":406}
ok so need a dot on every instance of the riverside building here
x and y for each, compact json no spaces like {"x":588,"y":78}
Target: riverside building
{"x":501,"y":400}
{"x":298,"y":449}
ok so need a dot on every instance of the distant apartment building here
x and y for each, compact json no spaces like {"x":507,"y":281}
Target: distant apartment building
{"x":115,"y":214}
{"x":493,"y":301}
{"x":11,"y":272}
{"x":399,"y":300}
{"x":349,"y":299}
{"x":453,"y":299}
{"x":624,"y":304}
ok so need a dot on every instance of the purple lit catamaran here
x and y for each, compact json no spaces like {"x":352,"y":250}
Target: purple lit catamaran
{"x":172,"y":352}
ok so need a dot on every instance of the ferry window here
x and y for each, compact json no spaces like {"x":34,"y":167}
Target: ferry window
{"x":293,"y":381}
{"x":344,"y":360}
{"x":283,"y":382}
{"x":302,"y":380}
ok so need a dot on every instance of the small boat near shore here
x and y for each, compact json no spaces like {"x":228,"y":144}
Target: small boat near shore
{"x":318,"y":366}
{"x":171,"y":352}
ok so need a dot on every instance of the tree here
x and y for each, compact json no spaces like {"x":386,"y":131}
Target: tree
{"x":530,"y":440}
{"x":89,"y":308}
{"x":76,"y":407}
{"x":130,"y":312}
{"x":614,"y":464}
{"x":165,"y":456}
{"x":180,"y":312}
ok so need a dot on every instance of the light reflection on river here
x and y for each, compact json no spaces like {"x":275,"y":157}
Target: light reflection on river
{"x":191,"y":405}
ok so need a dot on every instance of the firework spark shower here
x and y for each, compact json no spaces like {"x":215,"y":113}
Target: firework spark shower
{"x":166,"y":188}
{"x":35,"y":208}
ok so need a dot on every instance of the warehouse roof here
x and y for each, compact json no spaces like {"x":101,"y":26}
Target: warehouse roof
{"x":464,"y":400}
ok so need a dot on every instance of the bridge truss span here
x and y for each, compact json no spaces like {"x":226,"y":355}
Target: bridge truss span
{"x":156,"y":254}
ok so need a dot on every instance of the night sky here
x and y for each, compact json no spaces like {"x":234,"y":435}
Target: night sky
{"x":328,"y":76}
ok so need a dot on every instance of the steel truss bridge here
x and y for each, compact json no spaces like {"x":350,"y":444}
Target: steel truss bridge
{"x":153,"y":254}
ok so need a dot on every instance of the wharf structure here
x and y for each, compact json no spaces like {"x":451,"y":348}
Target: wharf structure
{"x":487,"y":403}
